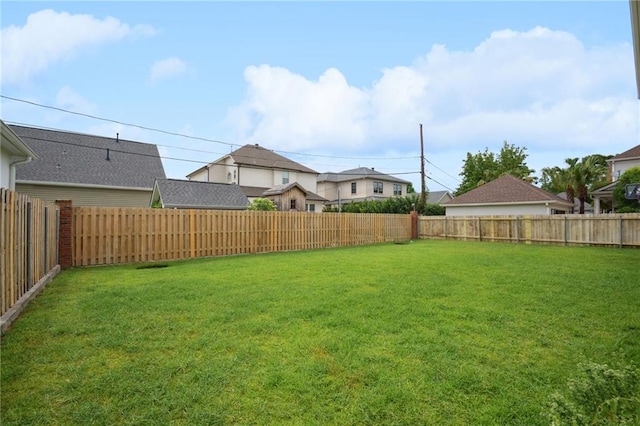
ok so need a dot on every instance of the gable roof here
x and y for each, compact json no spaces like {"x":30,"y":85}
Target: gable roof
{"x":358,"y":173}
{"x":507,"y":189}
{"x":175,"y":193}
{"x":281,"y":189}
{"x":257,"y":156}
{"x":80,"y":159}
{"x":12,"y":143}
{"x":435,"y":197}
{"x":629,"y":154}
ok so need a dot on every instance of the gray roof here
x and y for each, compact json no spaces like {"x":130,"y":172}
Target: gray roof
{"x":256,"y":191}
{"x":435,"y":197}
{"x":189,"y":194}
{"x":281,"y":189}
{"x":506,"y":189}
{"x":358,"y":173}
{"x":630,"y":154}
{"x":76,"y":158}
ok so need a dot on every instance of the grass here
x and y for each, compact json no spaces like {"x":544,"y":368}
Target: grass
{"x":432,"y":332}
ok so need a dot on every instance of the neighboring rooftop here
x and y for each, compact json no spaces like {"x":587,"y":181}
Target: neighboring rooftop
{"x":506,"y":189}
{"x":175,"y":193}
{"x":77,"y":158}
{"x":437,"y":197}
{"x":628,"y":154}
{"x":358,"y":173}
{"x":257,"y":156}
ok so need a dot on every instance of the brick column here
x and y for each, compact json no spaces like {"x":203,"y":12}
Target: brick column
{"x":414,"y":225}
{"x":65,"y":243}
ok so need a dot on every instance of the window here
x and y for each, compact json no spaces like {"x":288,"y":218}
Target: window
{"x":310,"y":207}
{"x":354,"y":188}
{"x":229,"y":177}
{"x":397,"y":189}
{"x":285,"y":177}
{"x":293,"y":204}
{"x":377,"y":187}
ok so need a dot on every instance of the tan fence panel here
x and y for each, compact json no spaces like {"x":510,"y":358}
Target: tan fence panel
{"x":622,"y":230}
{"x":111,"y":235}
{"x":28,"y":244}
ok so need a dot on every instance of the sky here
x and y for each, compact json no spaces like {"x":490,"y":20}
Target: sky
{"x":333,"y":85}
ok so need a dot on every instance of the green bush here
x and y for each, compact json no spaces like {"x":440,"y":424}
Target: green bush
{"x":398,"y":205}
{"x":601,"y":395}
{"x":262,"y":204}
{"x":623,"y":205}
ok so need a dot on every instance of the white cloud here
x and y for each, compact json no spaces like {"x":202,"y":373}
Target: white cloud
{"x":67,"y":98}
{"x":540,"y":89}
{"x":167,"y":68}
{"x":49,"y":37}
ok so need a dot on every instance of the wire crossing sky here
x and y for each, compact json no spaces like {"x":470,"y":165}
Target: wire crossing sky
{"x":332,"y":85}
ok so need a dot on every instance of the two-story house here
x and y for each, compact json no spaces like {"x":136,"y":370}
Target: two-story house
{"x":359,"y":184}
{"x":617,"y":165}
{"x":261,"y":172}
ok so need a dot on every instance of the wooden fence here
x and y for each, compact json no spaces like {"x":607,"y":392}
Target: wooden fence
{"x":28,"y":244}
{"x":103,"y":236}
{"x":620,"y":230}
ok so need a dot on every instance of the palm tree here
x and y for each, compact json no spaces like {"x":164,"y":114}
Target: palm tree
{"x":583,"y":174}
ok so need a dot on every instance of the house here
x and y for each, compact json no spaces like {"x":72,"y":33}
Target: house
{"x":288,"y":197}
{"x":258,"y":170}
{"x":617,"y":166}
{"x":507,"y":195}
{"x":188,"y":194}
{"x":13,"y":153}
{"x":438,"y":197}
{"x":588,"y":209}
{"x":88,"y":170}
{"x":359,"y":184}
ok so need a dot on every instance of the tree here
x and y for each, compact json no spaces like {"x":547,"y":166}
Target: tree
{"x":262,"y":204}
{"x":585,"y":174}
{"x":486,"y":166}
{"x":623,"y":205}
{"x":410,"y":189}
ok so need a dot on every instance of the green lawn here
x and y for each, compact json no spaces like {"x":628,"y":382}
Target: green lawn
{"x":431,"y":332}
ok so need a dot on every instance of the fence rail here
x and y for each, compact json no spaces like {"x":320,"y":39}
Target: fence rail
{"x":621,"y":230}
{"x":103,"y":236}
{"x":28,"y":244}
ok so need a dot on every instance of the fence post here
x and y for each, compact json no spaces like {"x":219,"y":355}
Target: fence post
{"x":65,"y":237}
{"x":414,"y":225}
{"x":620,"y":229}
{"x":29,"y":251}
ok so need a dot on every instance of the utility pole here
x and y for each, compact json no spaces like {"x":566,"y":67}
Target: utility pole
{"x":423,"y":194}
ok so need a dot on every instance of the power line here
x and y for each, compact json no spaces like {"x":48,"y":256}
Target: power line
{"x":166,"y":132}
{"x":115,"y":150}
{"x":452,"y":177}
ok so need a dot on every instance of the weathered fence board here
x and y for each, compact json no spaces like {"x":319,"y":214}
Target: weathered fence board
{"x":621,"y":230}
{"x":111,"y":235}
{"x":28,"y":244}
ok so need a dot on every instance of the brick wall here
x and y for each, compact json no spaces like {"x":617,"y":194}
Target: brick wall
{"x":65,"y":248}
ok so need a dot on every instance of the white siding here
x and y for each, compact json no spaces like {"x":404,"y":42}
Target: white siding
{"x":5,"y":172}
{"x":621,"y":166}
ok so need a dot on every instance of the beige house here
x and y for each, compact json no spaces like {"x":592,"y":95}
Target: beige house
{"x":260,"y":172}
{"x":88,"y":170}
{"x":359,"y":185}
{"x":507,"y":196}
{"x":617,"y":165}
{"x":13,"y":153}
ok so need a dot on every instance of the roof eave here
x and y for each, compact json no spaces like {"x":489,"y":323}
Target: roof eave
{"x":80,"y":185}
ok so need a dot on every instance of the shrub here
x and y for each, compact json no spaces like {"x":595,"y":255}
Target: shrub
{"x":262,"y":204}
{"x":601,"y":395}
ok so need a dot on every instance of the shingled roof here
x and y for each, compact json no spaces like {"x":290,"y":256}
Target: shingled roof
{"x":358,"y":173}
{"x":76,"y":158}
{"x":628,"y":154}
{"x":258,"y":156}
{"x":190,"y":194}
{"x":506,"y":189}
